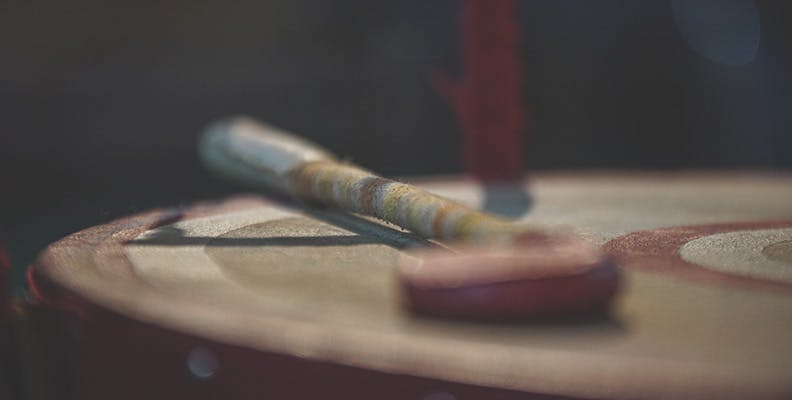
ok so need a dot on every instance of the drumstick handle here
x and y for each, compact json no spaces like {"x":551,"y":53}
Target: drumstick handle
{"x":274,"y":159}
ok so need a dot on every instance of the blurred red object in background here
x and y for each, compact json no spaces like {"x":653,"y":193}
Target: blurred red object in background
{"x":486,"y":99}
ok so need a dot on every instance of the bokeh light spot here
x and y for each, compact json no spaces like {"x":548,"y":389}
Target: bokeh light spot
{"x":201,"y":363}
{"x":439,"y":396}
{"x":723,"y":31}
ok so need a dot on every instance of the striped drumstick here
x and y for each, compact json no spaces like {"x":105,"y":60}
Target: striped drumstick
{"x":504,"y":269}
{"x":283,"y":162}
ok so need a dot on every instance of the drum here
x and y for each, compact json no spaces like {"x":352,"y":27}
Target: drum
{"x":251,"y":298}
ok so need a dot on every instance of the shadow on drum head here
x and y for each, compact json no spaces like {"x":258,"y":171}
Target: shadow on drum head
{"x":363,"y":231}
{"x":172,"y":236}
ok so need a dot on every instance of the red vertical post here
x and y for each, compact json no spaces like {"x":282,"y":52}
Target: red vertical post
{"x":486,"y":99}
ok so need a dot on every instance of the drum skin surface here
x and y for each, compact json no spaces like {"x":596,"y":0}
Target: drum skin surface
{"x":246,"y":298}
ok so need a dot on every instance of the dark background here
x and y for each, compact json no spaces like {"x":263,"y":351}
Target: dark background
{"x":102,"y":100}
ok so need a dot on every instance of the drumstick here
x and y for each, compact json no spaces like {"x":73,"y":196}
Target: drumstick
{"x":288,"y":164}
{"x":524,"y":270}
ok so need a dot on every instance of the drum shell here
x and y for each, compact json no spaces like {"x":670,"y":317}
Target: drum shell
{"x":106,"y":355}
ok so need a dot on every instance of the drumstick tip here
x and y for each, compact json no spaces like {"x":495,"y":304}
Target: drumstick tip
{"x":255,"y":153}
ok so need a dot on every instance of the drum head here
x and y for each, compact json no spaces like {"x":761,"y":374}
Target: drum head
{"x":706,"y":310}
